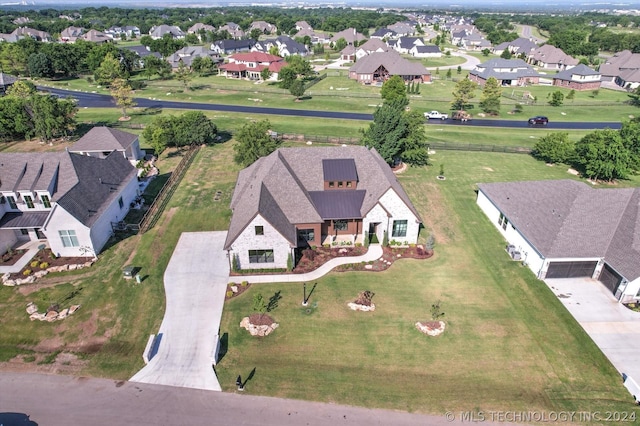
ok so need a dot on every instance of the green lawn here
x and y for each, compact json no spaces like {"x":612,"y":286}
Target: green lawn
{"x":509,"y":345}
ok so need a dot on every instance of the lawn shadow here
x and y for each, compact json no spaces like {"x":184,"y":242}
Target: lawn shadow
{"x":223,"y":136}
{"x":273,"y":301}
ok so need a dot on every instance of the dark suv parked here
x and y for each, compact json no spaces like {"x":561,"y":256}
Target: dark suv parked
{"x":538,"y":121}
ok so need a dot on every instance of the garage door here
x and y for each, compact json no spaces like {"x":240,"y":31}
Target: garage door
{"x":571,"y":269}
{"x":610,"y":278}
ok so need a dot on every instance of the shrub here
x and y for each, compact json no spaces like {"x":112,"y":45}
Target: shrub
{"x":229,"y":293}
{"x":44,"y":265}
{"x":244,"y":283}
{"x":26,"y":272}
{"x":309,"y":254}
{"x":436,"y":312}
{"x":326,"y":245}
{"x":358,"y":244}
{"x":289,"y":262}
{"x":34,"y":264}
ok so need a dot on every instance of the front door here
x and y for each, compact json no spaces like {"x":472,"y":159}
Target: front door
{"x":373,"y":231}
{"x":40,"y":235}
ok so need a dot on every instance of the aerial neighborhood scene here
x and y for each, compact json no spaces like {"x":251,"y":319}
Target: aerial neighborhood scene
{"x":311,"y":214}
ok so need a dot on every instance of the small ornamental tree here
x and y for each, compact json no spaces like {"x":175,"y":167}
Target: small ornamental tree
{"x":436,"y":311}
{"x":555,"y":148}
{"x":123,"y":95}
{"x":556,"y":98}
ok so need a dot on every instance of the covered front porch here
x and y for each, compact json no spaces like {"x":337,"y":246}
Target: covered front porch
{"x":17,"y":228}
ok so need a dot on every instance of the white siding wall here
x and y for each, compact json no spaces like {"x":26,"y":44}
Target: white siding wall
{"x":399,"y":211}
{"x":629,"y":293}
{"x":530,"y":256}
{"x":61,"y":220}
{"x":272,"y":239}
{"x":101,"y":229}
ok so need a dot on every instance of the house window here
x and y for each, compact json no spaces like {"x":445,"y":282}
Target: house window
{"x":399,"y":228}
{"x":45,"y":201}
{"x":28,"y":201}
{"x":340,"y":225}
{"x":349,"y":184}
{"x":259,"y":230}
{"x":306,"y":234}
{"x":500,"y":219}
{"x":12,"y":202}
{"x":331,"y":184}
{"x":120,"y":202}
{"x":505,"y":222}
{"x":339,"y":184}
{"x":24,"y":231}
{"x":261,"y":256}
{"x":69,"y":238}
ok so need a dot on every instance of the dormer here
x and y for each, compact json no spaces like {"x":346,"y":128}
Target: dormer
{"x":339,"y":174}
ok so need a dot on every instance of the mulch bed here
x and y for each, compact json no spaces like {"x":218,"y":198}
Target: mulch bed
{"x":46,"y":256}
{"x":389,"y":255}
{"x":11,"y":257}
{"x":239,"y":287}
{"x":260,"y":319}
{"x":313,"y":259}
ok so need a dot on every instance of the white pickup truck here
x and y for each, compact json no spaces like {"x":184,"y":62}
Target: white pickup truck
{"x":435,"y":115}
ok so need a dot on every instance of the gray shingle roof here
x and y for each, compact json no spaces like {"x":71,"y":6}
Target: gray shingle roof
{"x":566,"y":218}
{"x":289,"y":176}
{"x":7,"y":79}
{"x":493,"y":68}
{"x":104,"y":139}
{"x":580,"y":69}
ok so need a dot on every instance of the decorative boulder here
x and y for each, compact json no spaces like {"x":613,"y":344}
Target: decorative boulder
{"x":364,"y":308}
{"x":259,"y":325}
{"x":31,"y":308}
{"x":431,"y":328}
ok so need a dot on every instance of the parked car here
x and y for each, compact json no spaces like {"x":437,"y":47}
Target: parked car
{"x":461,"y":115}
{"x":435,"y":115}
{"x":538,"y":120}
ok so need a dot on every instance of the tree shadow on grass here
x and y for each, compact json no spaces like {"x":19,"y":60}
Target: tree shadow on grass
{"x":273,"y":302}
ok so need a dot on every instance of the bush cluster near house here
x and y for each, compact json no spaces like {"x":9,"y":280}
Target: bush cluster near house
{"x":190,"y":128}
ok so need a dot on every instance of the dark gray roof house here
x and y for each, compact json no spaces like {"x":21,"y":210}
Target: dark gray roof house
{"x":570,"y":229}
{"x":300,"y":197}
{"x":6,"y":80}
{"x":101,"y":141}
{"x":508,"y":72}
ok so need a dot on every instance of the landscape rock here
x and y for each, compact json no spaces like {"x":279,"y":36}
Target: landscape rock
{"x":364,"y":308}
{"x":429,"y":329}
{"x":88,"y":264}
{"x":343,"y":250}
{"x":368,"y":266}
{"x":6,"y":276}
{"x":73,"y":308}
{"x":234,"y":288}
{"x":32,"y":308}
{"x":63,"y":314}
{"x":73,"y":267}
{"x":37,"y":316}
{"x":257,"y":330}
{"x":9,"y":283}
{"x":51,"y":316}
{"x":40,"y":274}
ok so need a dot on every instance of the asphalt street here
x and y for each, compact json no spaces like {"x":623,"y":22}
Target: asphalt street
{"x":95,"y":100}
{"x":48,"y":400}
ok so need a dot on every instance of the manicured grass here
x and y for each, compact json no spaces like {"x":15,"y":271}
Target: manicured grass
{"x":509,"y":345}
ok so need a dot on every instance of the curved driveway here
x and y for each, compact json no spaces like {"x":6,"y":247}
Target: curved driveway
{"x":195,"y":283}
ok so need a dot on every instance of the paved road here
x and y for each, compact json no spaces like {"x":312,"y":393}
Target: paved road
{"x":62,"y":401}
{"x":195,"y":283}
{"x":95,"y":100}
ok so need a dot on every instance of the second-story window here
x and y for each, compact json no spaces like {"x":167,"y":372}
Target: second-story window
{"x":28,"y":200}
{"x":45,"y":201}
{"x":12,"y":202}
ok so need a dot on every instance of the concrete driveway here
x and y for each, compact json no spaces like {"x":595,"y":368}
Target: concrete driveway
{"x":195,"y":284}
{"x":614,"y":328}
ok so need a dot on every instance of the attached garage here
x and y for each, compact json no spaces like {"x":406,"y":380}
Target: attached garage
{"x":610,"y":278}
{"x":571,"y":269}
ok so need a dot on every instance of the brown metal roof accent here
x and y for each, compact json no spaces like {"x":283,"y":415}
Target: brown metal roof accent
{"x":339,"y":169}
{"x":338,"y":204}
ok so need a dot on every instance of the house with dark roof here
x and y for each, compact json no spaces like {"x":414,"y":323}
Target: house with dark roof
{"x":384,"y":33}
{"x":228,"y":46}
{"x":428,"y":51}
{"x":71,"y":34}
{"x":6,"y":80}
{"x":296,"y":198}
{"x":377,"y":68}
{"x":66,"y":200}
{"x":405,"y":44}
{"x":101,"y":141}
{"x":157,"y":32}
{"x":508,"y":72}
{"x":371,"y":46}
{"x":580,"y":77}
{"x":286,"y":46}
{"x":187,"y":54}
{"x":130,"y":31}
{"x":568,"y":229}
{"x":519,"y":46}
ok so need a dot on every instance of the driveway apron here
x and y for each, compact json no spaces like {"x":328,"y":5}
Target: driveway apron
{"x":195,"y":284}
{"x":614,"y":328}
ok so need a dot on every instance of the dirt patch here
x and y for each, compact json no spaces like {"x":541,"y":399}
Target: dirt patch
{"x":49,"y":281}
{"x":64,"y":363}
{"x":260,"y":319}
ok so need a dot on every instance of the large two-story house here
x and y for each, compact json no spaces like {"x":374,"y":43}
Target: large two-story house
{"x":66,"y":199}
{"x":297,"y":198}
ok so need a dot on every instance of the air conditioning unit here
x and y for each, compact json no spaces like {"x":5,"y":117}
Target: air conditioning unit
{"x":510,"y":249}
{"x":515,"y":255}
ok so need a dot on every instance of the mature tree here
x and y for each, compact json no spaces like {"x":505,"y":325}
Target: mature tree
{"x":52,"y":117}
{"x":490,"y":98}
{"x":273,"y":50}
{"x":255,"y":33}
{"x":341,"y":43}
{"x":393,"y":88}
{"x":603,"y":155}
{"x":194,"y":128}
{"x":634,"y":97}
{"x":555,"y":148}
{"x":108,"y":71}
{"x":40,"y":66}
{"x":65,"y":58}
{"x":154,"y":65}
{"x":22,"y":89}
{"x":159,"y":134}
{"x":297,"y":88}
{"x":301,"y":66}
{"x":630,"y":133}
{"x":123,"y":95}
{"x":506,"y":54}
{"x":571,"y":95}
{"x":556,"y":98}
{"x":203,"y":65}
{"x":183,"y":75}
{"x":254,"y":141}
{"x":415,"y":150}
{"x":97,"y":54}
{"x":463,"y":93}
{"x":486,"y":52}
{"x":287,"y":76}
{"x":166,"y":45}
{"x":15,"y":122}
{"x":265,"y":74}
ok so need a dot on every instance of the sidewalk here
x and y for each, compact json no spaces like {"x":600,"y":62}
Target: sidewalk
{"x":374,"y":252}
{"x":32,"y":249}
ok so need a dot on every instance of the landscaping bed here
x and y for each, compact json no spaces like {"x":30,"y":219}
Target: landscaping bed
{"x":389,"y":255}
{"x":44,"y":260}
{"x":11,"y":257}
{"x":312,"y":259}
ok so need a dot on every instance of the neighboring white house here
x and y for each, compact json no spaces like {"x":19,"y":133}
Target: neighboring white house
{"x":296,"y":198}
{"x":67,"y":199}
{"x":101,"y":141}
{"x":567,"y":229}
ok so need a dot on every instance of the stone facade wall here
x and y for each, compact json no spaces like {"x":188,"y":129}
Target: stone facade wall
{"x":399,"y":211}
{"x":270,"y":240}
